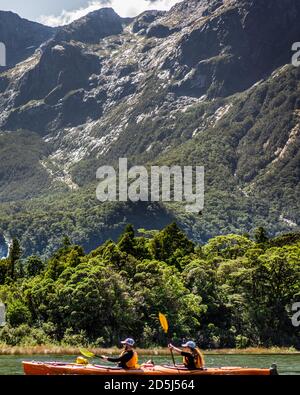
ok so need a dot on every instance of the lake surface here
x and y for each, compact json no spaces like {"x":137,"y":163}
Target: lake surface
{"x":287,"y":364}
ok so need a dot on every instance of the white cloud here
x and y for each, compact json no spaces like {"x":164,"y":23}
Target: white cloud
{"x":125,"y":8}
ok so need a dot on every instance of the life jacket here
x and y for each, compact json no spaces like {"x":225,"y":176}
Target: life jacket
{"x":198,"y":359}
{"x":82,"y":361}
{"x":133,"y":362}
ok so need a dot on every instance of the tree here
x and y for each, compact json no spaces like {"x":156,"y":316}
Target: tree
{"x":4,"y":270}
{"x":127,"y":241}
{"x":171,"y":244}
{"x":276,"y":283}
{"x":14,"y":255}
{"x":227,"y":247}
{"x":93,"y":298}
{"x":34,"y":266}
{"x":18,"y":313}
{"x":260,"y":235}
{"x":66,"y":242}
{"x":158,"y":287}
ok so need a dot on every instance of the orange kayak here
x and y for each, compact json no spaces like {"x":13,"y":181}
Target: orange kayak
{"x":57,"y":368}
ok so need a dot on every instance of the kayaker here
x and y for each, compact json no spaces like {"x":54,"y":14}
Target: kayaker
{"x":192,"y":356}
{"x":128,"y":359}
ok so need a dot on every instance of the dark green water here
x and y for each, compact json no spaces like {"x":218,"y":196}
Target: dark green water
{"x":287,"y":364}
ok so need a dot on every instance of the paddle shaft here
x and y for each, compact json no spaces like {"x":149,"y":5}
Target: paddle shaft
{"x":165,"y":325}
{"x":173,"y":357}
{"x":172,"y":352}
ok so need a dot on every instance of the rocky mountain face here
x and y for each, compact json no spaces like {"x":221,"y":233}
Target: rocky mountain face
{"x":21,"y":37}
{"x":93,"y":27}
{"x":209,"y":82}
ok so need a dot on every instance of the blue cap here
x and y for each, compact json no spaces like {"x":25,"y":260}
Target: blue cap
{"x":129,"y":342}
{"x":190,"y":344}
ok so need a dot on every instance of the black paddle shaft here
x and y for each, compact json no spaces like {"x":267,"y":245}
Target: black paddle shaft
{"x":172,"y":353}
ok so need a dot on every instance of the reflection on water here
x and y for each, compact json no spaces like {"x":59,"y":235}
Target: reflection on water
{"x":287,"y":364}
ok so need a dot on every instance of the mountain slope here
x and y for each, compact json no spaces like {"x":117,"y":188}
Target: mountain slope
{"x":207,"y":83}
{"x":93,"y":27}
{"x":21,"y":37}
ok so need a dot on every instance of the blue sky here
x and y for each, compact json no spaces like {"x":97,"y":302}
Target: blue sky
{"x":57,"y":12}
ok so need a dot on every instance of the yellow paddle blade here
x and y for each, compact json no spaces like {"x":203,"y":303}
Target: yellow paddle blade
{"x":163,"y":322}
{"x":86,"y":353}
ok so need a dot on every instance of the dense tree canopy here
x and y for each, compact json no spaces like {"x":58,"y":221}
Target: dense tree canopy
{"x":231,"y":292}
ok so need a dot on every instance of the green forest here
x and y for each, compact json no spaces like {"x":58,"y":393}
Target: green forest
{"x":235,"y":291}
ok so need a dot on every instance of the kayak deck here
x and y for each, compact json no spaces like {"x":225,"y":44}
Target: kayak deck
{"x":57,"y":368}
